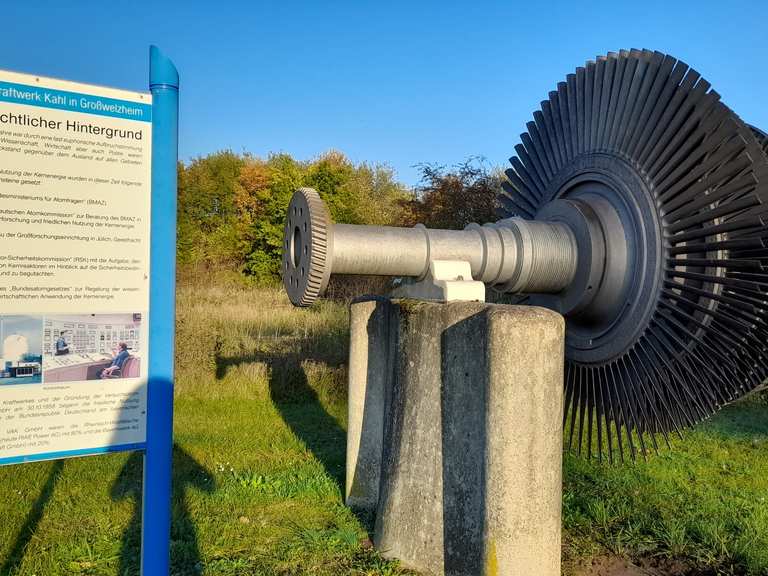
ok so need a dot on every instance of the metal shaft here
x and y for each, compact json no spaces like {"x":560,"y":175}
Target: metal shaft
{"x":514,"y":255}
{"x":521,"y":256}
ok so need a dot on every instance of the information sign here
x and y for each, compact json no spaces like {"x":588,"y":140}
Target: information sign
{"x":75,"y":201}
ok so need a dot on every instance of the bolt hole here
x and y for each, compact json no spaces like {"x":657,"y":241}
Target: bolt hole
{"x":302,"y":270}
{"x":305,"y":226}
{"x":296,"y":246}
{"x":589,"y":287}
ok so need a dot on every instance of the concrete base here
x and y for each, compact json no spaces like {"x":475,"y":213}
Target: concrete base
{"x":454,"y":438}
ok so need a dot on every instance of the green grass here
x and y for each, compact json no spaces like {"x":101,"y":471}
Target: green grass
{"x":704,"y":502}
{"x":259,"y":465}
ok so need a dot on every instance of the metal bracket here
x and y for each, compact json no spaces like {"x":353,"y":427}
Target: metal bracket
{"x":446,"y":281}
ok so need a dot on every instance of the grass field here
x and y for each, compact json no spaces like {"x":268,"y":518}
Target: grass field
{"x":259,"y":462}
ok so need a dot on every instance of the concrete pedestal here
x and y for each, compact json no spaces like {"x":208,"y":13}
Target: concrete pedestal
{"x":454,"y":438}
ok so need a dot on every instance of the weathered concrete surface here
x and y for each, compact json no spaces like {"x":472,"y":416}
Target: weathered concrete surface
{"x":524,"y":445}
{"x":369,"y":375}
{"x":470,"y":439}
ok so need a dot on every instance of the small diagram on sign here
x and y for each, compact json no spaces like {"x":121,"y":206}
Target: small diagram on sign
{"x":20,"y":350}
{"x":91,"y":347}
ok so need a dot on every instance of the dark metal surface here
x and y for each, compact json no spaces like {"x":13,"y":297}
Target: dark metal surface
{"x":688,"y":181}
{"x":762,"y":138}
{"x":306,"y":247}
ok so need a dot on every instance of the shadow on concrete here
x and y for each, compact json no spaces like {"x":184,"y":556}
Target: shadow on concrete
{"x":371,"y":373}
{"x":463,"y":410}
{"x":434,"y":440}
{"x":185,"y":551}
{"x":27,"y":531}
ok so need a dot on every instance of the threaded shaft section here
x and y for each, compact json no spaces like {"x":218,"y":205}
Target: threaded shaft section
{"x":553,"y":262}
{"x":545,"y":257}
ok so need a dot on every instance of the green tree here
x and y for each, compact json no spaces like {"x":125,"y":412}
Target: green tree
{"x":206,"y":209}
{"x":232,"y":207}
{"x":271,"y":184}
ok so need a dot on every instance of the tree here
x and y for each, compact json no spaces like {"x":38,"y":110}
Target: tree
{"x":206,"y":209}
{"x":270,"y":185}
{"x":454,"y":198}
{"x":232,"y":207}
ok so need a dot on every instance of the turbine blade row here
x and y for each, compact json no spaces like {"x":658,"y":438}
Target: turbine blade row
{"x":706,"y":342}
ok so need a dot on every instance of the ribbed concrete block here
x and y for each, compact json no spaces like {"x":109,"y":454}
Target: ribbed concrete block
{"x":470,"y":439}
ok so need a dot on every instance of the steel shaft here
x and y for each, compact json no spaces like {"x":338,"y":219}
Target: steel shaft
{"x":513,"y":255}
{"x":521,"y":256}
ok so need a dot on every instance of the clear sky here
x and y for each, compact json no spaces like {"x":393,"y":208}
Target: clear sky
{"x":392,"y":82}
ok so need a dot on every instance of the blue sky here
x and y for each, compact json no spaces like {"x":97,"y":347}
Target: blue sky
{"x":392,"y":82}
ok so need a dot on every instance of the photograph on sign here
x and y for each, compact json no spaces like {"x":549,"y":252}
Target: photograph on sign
{"x":75,"y":200}
{"x":21,"y":357}
{"x":91,"y":347}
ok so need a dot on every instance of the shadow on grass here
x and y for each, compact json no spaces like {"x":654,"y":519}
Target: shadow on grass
{"x":27,"y":531}
{"x":301,"y":409}
{"x":185,"y":551}
{"x":746,"y":419}
{"x":299,"y":404}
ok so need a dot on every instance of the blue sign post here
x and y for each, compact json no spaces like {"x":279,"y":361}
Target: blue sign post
{"x":156,"y":517}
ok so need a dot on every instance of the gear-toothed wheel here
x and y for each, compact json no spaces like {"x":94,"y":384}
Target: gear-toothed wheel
{"x":306,"y":247}
{"x":686,"y":327}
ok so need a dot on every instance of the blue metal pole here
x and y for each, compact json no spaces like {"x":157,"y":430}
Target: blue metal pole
{"x":156,"y":516}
